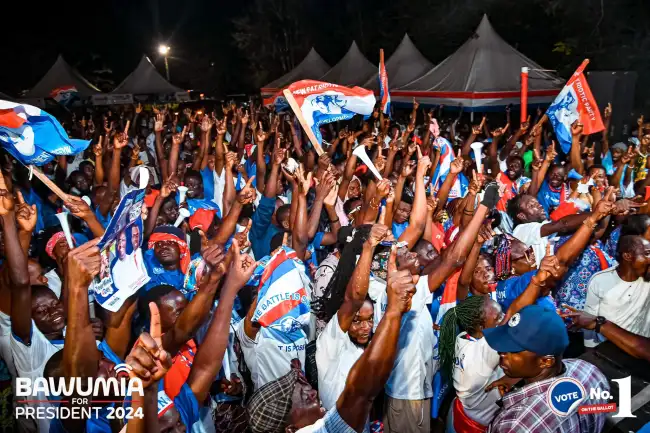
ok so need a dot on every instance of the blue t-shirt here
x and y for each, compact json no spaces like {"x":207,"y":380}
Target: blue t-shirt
{"x":508,"y":290}
{"x":46,"y":213}
{"x":103,"y":220}
{"x":208,"y":183}
{"x":314,"y":245}
{"x":193,"y":204}
{"x":398,"y":228}
{"x":159,"y":275}
{"x":185,"y":403}
{"x":262,"y":231}
{"x":549,"y":198}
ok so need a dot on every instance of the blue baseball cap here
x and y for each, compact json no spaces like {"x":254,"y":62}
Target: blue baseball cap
{"x":533,"y":328}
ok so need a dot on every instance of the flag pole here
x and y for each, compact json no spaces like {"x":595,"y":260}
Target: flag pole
{"x":524,"y":95}
{"x":296,"y":110}
{"x":48,"y":183}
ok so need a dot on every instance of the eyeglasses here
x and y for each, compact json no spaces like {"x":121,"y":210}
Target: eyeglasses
{"x":529,"y":255}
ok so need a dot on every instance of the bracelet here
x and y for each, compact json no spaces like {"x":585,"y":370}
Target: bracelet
{"x":335,"y":221}
{"x":589,"y":223}
{"x":373,"y":204}
{"x":466,"y":212}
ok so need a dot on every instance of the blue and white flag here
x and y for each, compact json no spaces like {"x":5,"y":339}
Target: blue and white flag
{"x":33,"y":136}
{"x":65,"y":95}
{"x":322,"y":103}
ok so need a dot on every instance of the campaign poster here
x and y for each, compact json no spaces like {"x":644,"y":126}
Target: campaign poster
{"x":122,"y":270}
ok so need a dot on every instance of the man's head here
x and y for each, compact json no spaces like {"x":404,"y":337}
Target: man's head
{"x":637,"y":225}
{"x":618,"y":150}
{"x":286,"y":404}
{"x":598,"y":174}
{"x":47,"y":311}
{"x":515,"y":167}
{"x":426,"y":252}
{"x":167,"y":252}
{"x":634,"y":253}
{"x":408,"y":260}
{"x":282,"y":216}
{"x":352,"y":207}
{"x":35,"y":271}
{"x":88,"y":170}
{"x":170,"y":302}
{"x":360,"y":330}
{"x":556,"y":176}
{"x":403,"y":210}
{"x":525,"y":208}
{"x":78,"y":181}
{"x":135,"y":237}
{"x":169,"y":210}
{"x":194,"y":183}
{"x":531,"y":343}
{"x":121,"y":245}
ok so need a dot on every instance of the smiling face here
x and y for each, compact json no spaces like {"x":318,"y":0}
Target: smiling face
{"x":522,"y":257}
{"x":121,"y":246}
{"x":47,"y":310}
{"x":167,"y":252}
{"x":599,"y":176}
{"x":556,"y":176}
{"x":361,"y":327}
{"x":515,"y":168}
{"x":354,"y":189}
{"x":169,"y":210}
{"x":408,"y":260}
{"x":194,"y":186}
{"x":530,"y":210}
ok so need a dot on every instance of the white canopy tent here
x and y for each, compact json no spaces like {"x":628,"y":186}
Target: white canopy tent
{"x":61,"y":74}
{"x":484,"y":72}
{"x":145,"y":80}
{"x":352,"y":70}
{"x":312,"y":67}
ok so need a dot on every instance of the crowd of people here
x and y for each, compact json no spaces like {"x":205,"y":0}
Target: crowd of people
{"x":443,"y":297}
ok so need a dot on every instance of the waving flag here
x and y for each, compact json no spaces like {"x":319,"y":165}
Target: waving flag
{"x":384,"y":95}
{"x":64,"y":95}
{"x":322,"y":103}
{"x":283,"y":303}
{"x":33,"y":136}
{"x":575,"y":102}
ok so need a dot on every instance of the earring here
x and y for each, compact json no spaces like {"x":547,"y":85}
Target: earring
{"x":512,"y":271}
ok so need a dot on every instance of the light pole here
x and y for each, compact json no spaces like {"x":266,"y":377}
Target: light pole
{"x":164,"y":50}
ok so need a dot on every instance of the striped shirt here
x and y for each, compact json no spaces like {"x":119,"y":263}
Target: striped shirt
{"x":526,"y":410}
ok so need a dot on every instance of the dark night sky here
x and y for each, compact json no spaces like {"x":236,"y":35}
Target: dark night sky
{"x":115,"y":33}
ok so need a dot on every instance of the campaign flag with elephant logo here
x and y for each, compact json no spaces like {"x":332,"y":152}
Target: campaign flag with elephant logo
{"x":575,"y":102}
{"x":322,"y":103}
{"x":33,"y":136}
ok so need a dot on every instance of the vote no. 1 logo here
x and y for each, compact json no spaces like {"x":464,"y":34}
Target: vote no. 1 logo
{"x":565,"y":395}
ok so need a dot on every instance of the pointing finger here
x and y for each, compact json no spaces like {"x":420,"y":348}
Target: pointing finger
{"x":392,"y":260}
{"x":154,"y":327}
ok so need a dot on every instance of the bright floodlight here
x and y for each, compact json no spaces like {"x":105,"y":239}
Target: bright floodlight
{"x":163,"y":49}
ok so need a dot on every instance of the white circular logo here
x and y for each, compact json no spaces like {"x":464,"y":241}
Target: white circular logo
{"x":514,"y":320}
{"x":565,"y":395}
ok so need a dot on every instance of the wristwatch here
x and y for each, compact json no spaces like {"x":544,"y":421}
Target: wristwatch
{"x":600,"y":321}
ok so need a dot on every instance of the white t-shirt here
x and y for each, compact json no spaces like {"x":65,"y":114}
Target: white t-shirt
{"x":412,"y":375}
{"x":269,"y":359}
{"x":530,"y":234}
{"x":335,"y":356}
{"x":53,"y":282}
{"x":624,"y":303}
{"x":30,"y":362}
{"x":476,"y":365}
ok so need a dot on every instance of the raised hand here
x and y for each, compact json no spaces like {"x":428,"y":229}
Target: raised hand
{"x":279,"y":155}
{"x":26,"y":215}
{"x":524,"y":126}
{"x":241,"y":267}
{"x":82,"y":264}
{"x":138,"y":108}
{"x":324,"y":161}
{"x":400,"y":286}
{"x":537,"y":162}
{"x":206,"y":124}
{"x":485,"y":232}
{"x":158,"y":125}
{"x":168,"y":187}
{"x":148,"y":361}
{"x":457,"y":164}
{"x":432,"y":204}
{"x":608,"y":111}
{"x":549,"y":265}
{"x":304,"y":181}
{"x":260,"y":135}
{"x":188,"y":113}
{"x":122,"y":139}
{"x":178,"y":137}
{"x":325,"y":186}
{"x":245,"y":118}
{"x":577,"y":128}
{"x":424,"y":162}
{"x":476,"y":184}
{"x":476,"y":129}
{"x":551,"y":153}
{"x":408,"y":167}
{"x":500,"y":131}
{"x":78,"y":207}
{"x":378,"y":232}
{"x":231,"y":160}
{"x":603,"y":208}
{"x":98,"y":149}
{"x":247,"y":194}
{"x":416,"y":104}
{"x":383,"y":188}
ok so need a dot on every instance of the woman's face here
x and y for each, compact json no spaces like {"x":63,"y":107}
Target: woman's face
{"x":522,"y":258}
{"x":483,"y":276}
{"x":354,"y":190}
{"x":170,"y":211}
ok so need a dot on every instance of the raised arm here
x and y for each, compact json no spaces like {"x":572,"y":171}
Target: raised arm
{"x":219,"y":151}
{"x":476,"y":130}
{"x":419,"y":209}
{"x":160,"y":154}
{"x":505,"y":152}
{"x":229,"y":193}
{"x":26,"y":217}
{"x":326,"y":184}
{"x":98,"y":150}
{"x":209,"y":357}
{"x":229,"y":223}
{"x":175,"y":151}
{"x":540,"y":173}
{"x":260,"y":139}
{"x":299,"y":236}
{"x":198,"y":309}
{"x":576,"y":157}
{"x":493,"y":156}
{"x":454,"y":256}
{"x":119,"y":142}
{"x":455,"y":168}
{"x":81,"y":210}
{"x":371,"y":371}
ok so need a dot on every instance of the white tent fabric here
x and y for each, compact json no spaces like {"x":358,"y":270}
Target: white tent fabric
{"x":61,"y":74}
{"x":484,"y":71}
{"x":312,"y":67}
{"x":352,"y":70}
{"x":145,"y":80}
{"x":405,"y":65}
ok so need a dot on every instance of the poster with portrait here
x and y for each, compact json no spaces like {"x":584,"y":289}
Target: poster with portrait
{"x":122,"y":270}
